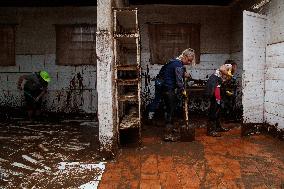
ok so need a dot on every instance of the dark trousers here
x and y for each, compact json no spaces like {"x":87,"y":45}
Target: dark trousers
{"x":214,"y":110}
{"x":214,"y":113}
{"x":153,"y":106}
{"x":170,"y":102}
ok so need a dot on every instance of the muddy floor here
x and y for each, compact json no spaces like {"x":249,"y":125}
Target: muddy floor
{"x":228,"y":162}
{"x":48,"y":154}
{"x":60,"y":155}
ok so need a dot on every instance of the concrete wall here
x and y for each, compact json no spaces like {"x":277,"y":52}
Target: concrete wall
{"x":274,"y":77}
{"x":36,"y":50}
{"x":215,"y":38}
{"x":254,"y":44}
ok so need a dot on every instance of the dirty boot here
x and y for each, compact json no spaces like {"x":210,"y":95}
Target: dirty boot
{"x":219,"y":127}
{"x":211,"y":129}
{"x":213,"y":134}
{"x":169,"y":136}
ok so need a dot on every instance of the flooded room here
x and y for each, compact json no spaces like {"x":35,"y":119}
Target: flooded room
{"x":142,"y":94}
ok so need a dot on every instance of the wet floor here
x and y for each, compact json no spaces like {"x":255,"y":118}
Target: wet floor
{"x":60,"y":155}
{"x":46,"y":154}
{"x":228,"y":162}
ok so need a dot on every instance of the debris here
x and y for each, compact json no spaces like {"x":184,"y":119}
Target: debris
{"x":90,"y":185}
{"x":29,"y":159}
{"x":32,"y":137}
{"x":43,"y":148}
{"x":130,"y":120}
{"x":36,"y":155}
{"x":36,"y":162}
{"x":3,"y":160}
{"x":20,"y":165}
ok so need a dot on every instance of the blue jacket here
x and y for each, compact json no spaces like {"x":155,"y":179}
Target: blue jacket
{"x":172,"y":74}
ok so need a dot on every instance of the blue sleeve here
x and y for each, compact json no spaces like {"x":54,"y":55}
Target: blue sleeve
{"x":179,"y":77}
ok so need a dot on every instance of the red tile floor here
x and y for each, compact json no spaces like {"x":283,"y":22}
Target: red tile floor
{"x":230,"y":161}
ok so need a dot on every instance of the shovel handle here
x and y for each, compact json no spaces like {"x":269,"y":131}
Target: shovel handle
{"x":185,"y":107}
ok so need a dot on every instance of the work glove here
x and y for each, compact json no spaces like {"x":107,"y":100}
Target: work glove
{"x":183,"y":93}
{"x":230,"y":73}
{"x":229,"y":93}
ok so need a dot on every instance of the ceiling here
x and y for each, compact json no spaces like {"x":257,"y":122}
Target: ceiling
{"x":54,"y":3}
{"x":46,"y":3}
{"x":182,"y":2}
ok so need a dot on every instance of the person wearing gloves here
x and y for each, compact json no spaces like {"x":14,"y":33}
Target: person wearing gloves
{"x":35,"y":87}
{"x":173,"y":83}
{"x":213,"y":92}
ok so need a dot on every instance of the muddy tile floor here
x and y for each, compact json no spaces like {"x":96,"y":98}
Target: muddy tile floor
{"x":57,"y":156}
{"x":47,"y":155}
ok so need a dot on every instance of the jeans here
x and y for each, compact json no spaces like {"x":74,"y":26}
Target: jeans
{"x":170,"y":102}
{"x":153,"y":106}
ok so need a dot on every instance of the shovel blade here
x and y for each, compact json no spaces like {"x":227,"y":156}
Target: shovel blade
{"x":187,"y":134}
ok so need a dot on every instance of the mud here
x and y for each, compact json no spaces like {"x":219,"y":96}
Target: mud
{"x":130,"y":120}
{"x":32,"y":153}
{"x":272,"y":130}
{"x":230,"y":161}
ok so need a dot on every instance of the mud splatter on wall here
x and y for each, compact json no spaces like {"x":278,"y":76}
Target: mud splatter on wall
{"x":72,"y":88}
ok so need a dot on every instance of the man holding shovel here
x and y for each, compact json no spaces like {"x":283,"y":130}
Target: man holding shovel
{"x":35,"y":87}
{"x":173,"y":85}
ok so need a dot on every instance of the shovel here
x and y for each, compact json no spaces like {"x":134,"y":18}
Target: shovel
{"x":187,"y":132}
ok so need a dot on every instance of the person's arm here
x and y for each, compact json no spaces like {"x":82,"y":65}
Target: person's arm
{"x":20,"y":81}
{"x":179,"y":78}
{"x":41,"y":94}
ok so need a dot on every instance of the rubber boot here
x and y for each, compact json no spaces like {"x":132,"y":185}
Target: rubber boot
{"x":219,"y":127}
{"x":211,"y":129}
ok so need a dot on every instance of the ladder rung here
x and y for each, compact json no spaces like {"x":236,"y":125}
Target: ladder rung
{"x":127,"y":67}
{"x":127,"y":81}
{"x":128,"y":97}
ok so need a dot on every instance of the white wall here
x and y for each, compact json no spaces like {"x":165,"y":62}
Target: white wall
{"x":274,"y":77}
{"x":215,"y":37}
{"x":36,"y":50}
{"x":254,"y":44}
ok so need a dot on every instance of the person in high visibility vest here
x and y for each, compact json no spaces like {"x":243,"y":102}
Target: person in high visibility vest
{"x":35,"y":87}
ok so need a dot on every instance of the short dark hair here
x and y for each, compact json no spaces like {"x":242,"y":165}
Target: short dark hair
{"x":232,"y":62}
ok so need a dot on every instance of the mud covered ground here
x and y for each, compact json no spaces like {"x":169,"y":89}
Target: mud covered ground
{"x":48,"y":154}
{"x":60,"y":155}
{"x":228,"y":162}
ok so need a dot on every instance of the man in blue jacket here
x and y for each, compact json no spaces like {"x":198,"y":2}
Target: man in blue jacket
{"x":173,"y":83}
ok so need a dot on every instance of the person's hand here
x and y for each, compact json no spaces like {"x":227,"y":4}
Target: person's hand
{"x":184,"y":93}
{"x":218,"y":102}
{"x":36,"y":99}
{"x":230,"y":73}
{"x":187,"y":75}
{"x":229,"y":93}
